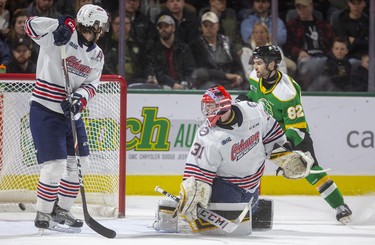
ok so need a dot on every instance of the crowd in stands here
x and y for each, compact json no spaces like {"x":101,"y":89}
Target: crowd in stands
{"x":182,"y":44}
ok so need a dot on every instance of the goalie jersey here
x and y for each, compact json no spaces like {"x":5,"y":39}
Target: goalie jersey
{"x":235,"y":153}
{"x":283,"y":102}
{"x":84,"y":65}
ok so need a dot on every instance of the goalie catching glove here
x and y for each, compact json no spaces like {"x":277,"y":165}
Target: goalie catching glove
{"x":192,"y":194}
{"x":294,"y":164}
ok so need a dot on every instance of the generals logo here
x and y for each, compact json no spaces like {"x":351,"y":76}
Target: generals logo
{"x":244,"y":146}
{"x":74,"y":66}
{"x":204,"y":131}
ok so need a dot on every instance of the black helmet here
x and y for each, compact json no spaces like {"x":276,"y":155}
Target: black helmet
{"x":267,"y":53}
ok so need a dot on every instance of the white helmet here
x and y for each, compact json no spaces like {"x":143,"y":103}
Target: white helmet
{"x":90,"y":15}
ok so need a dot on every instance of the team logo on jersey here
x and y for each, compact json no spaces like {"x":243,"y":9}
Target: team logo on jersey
{"x":240,"y":149}
{"x":204,"y":131}
{"x":266,"y":105}
{"x":74,"y":66}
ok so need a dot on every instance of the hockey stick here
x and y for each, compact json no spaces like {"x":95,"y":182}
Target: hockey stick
{"x":92,"y":223}
{"x":210,"y":216}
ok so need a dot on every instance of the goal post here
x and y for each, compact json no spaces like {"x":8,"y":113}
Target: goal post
{"x":105,"y":121}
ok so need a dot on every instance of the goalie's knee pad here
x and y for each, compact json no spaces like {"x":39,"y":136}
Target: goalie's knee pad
{"x":164,"y":220}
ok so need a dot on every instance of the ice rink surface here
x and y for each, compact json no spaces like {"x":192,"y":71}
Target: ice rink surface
{"x":301,"y":220}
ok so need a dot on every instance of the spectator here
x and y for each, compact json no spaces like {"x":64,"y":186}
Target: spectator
{"x":13,"y":5}
{"x":227,"y":21}
{"x":66,"y":7}
{"x":4,"y":18}
{"x":259,"y":37}
{"x":43,"y":8}
{"x":360,"y":75}
{"x":17,"y":31}
{"x":353,"y":24}
{"x":151,"y":9}
{"x":5,"y":54}
{"x":217,"y":61}
{"x":142,"y":28}
{"x":336,"y":75}
{"x":170,"y":59}
{"x":187,"y":24}
{"x":262,"y":14}
{"x":308,"y":41}
{"x":21,"y":62}
{"x":133,"y":52}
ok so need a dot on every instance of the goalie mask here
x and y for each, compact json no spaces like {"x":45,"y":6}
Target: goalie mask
{"x":215,"y":102}
{"x":94,"y":19}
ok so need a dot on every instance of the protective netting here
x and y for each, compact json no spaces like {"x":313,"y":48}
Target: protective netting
{"x":19,"y":171}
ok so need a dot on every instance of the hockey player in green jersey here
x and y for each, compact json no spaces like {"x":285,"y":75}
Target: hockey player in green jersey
{"x":281,"y":96}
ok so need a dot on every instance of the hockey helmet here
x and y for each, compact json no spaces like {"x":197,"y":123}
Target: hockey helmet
{"x":93,"y":17}
{"x":267,"y":53}
{"x":215,"y":102}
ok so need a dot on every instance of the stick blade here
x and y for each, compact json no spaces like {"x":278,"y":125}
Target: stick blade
{"x":98,"y":228}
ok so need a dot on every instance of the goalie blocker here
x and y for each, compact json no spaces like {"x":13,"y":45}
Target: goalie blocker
{"x":262,"y":220}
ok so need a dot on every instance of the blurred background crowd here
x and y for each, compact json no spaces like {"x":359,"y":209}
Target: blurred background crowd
{"x":182,"y":44}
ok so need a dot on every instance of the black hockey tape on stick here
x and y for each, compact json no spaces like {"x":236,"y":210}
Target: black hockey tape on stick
{"x":92,"y":223}
{"x":210,"y":216}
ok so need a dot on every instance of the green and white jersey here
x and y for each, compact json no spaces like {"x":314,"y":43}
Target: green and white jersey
{"x":283,"y":102}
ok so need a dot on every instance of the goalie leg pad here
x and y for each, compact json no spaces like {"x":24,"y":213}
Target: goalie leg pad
{"x":263,"y":217}
{"x":164,"y":220}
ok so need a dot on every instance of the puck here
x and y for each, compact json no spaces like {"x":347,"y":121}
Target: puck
{"x":22,"y":206}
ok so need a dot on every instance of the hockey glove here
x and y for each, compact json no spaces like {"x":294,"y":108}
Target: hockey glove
{"x":78,"y":104}
{"x":294,"y":164}
{"x":64,"y":31}
{"x":192,"y":194}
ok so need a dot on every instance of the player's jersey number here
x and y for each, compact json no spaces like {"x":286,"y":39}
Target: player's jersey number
{"x":197,"y":150}
{"x":295,"y":112}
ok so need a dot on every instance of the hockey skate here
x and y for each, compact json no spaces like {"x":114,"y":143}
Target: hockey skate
{"x":64,"y":217}
{"x":343,"y":214}
{"x":59,"y":220}
{"x":43,"y":221}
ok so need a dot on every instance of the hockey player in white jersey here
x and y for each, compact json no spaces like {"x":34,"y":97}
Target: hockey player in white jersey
{"x":50,"y":109}
{"x":227,"y":158}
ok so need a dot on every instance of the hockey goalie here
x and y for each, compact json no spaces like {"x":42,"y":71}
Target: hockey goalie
{"x":219,"y":193}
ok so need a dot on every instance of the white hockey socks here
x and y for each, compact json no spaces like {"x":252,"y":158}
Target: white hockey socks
{"x":69,"y":184}
{"x":48,"y":186}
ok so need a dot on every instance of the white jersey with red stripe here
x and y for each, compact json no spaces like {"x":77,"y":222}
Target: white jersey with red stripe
{"x":236,"y":154}
{"x":84,"y":65}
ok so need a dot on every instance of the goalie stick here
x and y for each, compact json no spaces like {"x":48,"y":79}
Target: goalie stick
{"x":206,"y":214}
{"x":92,"y":223}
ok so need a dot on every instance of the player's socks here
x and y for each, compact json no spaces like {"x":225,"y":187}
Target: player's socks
{"x":330,"y":192}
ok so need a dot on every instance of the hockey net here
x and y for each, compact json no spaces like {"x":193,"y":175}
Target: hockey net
{"x":105,"y":121}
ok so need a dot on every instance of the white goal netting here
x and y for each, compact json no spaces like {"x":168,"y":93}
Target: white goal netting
{"x":19,"y":171}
